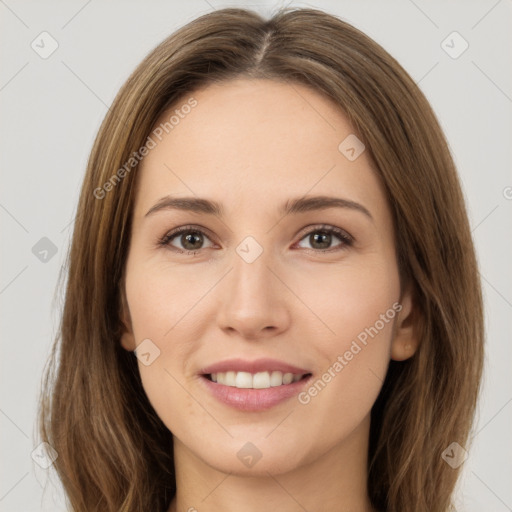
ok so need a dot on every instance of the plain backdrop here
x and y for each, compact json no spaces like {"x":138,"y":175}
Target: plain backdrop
{"x":51,"y":109}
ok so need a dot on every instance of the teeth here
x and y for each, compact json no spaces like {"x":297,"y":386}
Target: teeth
{"x":243,"y":380}
{"x":287,"y":378}
{"x":260,"y":380}
{"x":229,"y":379}
{"x":276,"y":379}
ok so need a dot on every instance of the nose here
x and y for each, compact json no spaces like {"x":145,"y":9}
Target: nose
{"x":253,"y":301}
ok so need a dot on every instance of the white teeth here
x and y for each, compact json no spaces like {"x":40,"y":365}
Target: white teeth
{"x":287,"y":378}
{"x":276,"y":379}
{"x":260,"y":380}
{"x":229,"y":379}
{"x":243,"y":380}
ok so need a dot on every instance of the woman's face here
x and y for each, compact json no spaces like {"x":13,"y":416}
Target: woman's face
{"x":262,"y":288}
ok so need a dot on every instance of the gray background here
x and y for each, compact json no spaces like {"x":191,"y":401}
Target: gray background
{"x":51,"y":109}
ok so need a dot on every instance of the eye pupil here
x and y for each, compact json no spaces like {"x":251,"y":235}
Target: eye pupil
{"x":189,"y":239}
{"x":324,"y":239}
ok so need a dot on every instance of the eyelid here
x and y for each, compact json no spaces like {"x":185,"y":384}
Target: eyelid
{"x":346,"y":238}
{"x":173,"y":233}
{"x":313,"y":228}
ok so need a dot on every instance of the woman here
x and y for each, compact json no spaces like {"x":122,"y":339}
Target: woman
{"x":272,"y":223}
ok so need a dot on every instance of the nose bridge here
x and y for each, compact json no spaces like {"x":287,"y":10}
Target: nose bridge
{"x":250,"y":270}
{"x":250,"y":281}
{"x":252,"y":301}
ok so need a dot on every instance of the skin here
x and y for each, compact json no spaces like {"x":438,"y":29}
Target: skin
{"x":251,"y":145}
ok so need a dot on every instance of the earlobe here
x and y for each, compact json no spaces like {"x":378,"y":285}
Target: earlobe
{"x":128,"y":341}
{"x":405,"y":340}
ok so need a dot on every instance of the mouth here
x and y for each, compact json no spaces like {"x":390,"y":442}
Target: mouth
{"x":253,"y":385}
{"x":259,"y":380}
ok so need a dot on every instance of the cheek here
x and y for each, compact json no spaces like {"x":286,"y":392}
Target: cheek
{"x":162,"y":309}
{"x":354,"y":298}
{"x":344,"y":389}
{"x":359,"y":305}
{"x":163,"y":301}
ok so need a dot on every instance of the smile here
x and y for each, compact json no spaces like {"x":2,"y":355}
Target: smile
{"x":260,"y":380}
{"x":256,"y":385}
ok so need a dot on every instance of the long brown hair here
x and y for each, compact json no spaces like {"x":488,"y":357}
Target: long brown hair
{"x":114,"y":452}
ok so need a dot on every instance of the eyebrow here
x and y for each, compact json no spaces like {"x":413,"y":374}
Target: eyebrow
{"x":298,"y":205}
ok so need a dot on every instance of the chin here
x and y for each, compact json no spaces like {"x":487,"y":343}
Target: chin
{"x":253,"y":458}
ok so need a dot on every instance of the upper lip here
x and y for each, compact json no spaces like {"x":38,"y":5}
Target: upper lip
{"x":258,"y":365}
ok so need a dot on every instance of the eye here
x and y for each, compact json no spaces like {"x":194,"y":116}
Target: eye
{"x":190,"y":239}
{"x":321,"y":238}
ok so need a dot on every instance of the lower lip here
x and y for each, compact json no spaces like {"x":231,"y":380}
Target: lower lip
{"x":247,"y":399}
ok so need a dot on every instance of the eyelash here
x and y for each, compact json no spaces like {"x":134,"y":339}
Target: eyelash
{"x":344,"y":237}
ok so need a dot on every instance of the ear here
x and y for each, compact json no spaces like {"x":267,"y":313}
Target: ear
{"x":127,"y":337}
{"x":405,"y":340}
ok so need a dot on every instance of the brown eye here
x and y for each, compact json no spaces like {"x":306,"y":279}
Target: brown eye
{"x":185,"y":240}
{"x":321,"y":239}
{"x":191,"y":240}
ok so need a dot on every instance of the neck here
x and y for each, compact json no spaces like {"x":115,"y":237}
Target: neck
{"x":335,"y":481}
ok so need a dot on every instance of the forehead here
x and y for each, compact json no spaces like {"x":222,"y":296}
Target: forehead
{"x":250,"y":140}
{"x":257,"y":116}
